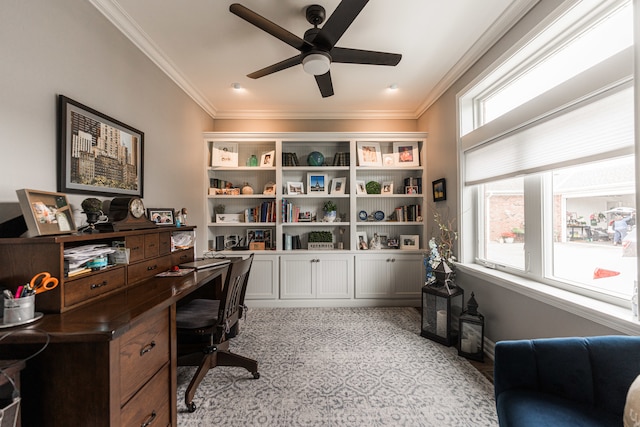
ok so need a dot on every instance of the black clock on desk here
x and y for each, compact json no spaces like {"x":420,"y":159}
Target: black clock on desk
{"x":127,"y":213}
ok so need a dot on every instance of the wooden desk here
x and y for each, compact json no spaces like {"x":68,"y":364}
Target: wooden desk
{"x":111,"y":362}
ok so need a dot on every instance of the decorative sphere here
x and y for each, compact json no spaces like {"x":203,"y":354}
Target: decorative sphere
{"x":315,"y":159}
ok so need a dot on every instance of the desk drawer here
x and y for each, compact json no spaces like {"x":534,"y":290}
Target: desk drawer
{"x":143,"y":351}
{"x":151,"y":245}
{"x":136,"y":247}
{"x":144,"y":270}
{"x":165,"y":243}
{"x":151,"y":405}
{"x":181,"y":256}
{"x":80,"y":290}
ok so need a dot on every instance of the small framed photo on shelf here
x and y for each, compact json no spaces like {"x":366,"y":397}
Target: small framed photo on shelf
{"x":295,"y":188}
{"x":269,"y":188}
{"x":45,"y":212}
{"x":317,"y":183}
{"x":439,"y":190}
{"x":161,"y":216}
{"x":411,"y":189}
{"x":266,"y":160}
{"x":384,"y":240}
{"x":369,"y":154}
{"x":362,"y":240}
{"x":388,"y":160}
{"x":224,"y":154}
{"x":361,"y":188}
{"x":259,"y":235}
{"x":338,"y":185}
{"x":409,"y":241}
{"x":387,"y":187}
{"x":405,"y":154}
{"x":230,"y":218}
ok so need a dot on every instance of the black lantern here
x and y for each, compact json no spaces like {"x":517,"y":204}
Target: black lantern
{"x":471,"y":342}
{"x":441,"y":308}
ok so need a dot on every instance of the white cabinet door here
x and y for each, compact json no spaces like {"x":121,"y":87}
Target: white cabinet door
{"x":406,"y":276}
{"x":334,"y":276}
{"x":263,"y":279}
{"x":372,"y":276}
{"x":388,"y":275}
{"x":296,"y":277}
{"x":316,"y":276}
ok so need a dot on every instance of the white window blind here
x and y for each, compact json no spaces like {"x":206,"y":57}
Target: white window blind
{"x":595,"y":129}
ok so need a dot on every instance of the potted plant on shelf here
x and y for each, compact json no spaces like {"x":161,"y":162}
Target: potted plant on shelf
{"x":92,"y":208}
{"x":320,"y":240}
{"x":329,"y":209}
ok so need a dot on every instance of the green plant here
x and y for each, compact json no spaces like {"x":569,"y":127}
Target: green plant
{"x":373,"y":187}
{"x":320,"y":236}
{"x":219,"y":209}
{"x":91,"y":205}
{"x":330,"y":206}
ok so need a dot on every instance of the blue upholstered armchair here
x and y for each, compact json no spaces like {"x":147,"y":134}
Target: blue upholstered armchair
{"x":564,"y":381}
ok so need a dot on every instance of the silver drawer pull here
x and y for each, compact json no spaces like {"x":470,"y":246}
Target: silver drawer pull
{"x":147,"y":348}
{"x":151,"y":419}
{"x":99,"y":285}
{"x":152,"y":267}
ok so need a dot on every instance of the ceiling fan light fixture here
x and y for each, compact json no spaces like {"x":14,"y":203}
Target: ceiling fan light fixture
{"x":316,"y":63}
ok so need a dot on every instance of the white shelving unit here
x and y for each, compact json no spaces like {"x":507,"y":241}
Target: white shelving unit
{"x":372,"y":214}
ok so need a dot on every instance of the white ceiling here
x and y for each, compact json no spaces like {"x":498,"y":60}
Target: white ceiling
{"x":205,"y":48}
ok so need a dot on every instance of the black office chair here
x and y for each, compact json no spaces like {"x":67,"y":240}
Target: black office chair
{"x":205,"y":326}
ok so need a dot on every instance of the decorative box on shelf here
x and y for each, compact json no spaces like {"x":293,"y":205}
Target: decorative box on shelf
{"x":320,"y":245}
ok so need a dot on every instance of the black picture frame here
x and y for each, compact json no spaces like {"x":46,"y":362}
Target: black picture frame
{"x":162,"y":216}
{"x":97,"y":154}
{"x":439,"y":190}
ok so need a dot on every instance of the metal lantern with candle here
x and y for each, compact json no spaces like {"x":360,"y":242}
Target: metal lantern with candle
{"x":471,"y":343}
{"x":441,"y":307}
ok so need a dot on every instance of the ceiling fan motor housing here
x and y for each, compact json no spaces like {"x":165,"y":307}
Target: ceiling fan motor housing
{"x":315,"y":14}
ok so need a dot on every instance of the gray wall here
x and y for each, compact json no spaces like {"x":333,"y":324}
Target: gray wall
{"x":67,"y":47}
{"x":508,"y":314}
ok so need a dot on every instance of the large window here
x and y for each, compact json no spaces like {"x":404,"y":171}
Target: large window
{"x":547,"y":156}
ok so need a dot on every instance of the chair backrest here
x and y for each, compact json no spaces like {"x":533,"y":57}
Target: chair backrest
{"x":233,"y":292}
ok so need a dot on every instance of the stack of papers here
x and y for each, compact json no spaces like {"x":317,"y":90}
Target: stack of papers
{"x":79,"y":256}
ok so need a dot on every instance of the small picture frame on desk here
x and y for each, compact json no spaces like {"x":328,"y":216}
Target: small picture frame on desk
{"x":161,"y":216}
{"x":45,"y":212}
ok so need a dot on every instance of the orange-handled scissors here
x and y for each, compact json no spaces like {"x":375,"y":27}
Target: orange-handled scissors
{"x":43,"y":282}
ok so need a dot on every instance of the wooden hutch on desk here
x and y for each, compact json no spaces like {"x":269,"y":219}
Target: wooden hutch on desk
{"x":111,"y":359}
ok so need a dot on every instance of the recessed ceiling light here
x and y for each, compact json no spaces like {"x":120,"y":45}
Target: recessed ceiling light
{"x":236,"y":86}
{"x":393,"y":86}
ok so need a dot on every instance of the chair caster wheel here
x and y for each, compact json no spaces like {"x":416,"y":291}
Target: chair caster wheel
{"x":191,"y":407}
{"x":256,"y":375}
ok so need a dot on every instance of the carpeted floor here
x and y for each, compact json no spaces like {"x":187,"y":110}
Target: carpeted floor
{"x":340,"y":367}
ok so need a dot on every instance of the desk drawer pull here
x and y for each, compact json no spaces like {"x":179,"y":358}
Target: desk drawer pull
{"x":152,"y":267}
{"x":147,"y":348}
{"x":99,"y":285}
{"x":151,"y":419}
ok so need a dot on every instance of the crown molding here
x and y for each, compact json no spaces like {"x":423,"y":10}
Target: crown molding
{"x":127,"y":26}
{"x":499,"y":28}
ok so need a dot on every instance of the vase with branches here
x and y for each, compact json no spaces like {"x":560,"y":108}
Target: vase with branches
{"x":441,"y":247}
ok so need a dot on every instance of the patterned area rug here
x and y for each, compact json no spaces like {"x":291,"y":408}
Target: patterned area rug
{"x":340,"y":367}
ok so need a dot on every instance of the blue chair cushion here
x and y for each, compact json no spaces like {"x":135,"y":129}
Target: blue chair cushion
{"x":528,"y":408}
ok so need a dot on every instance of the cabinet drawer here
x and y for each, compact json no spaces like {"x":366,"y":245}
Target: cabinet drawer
{"x":151,"y":245}
{"x":179,"y":257}
{"x":144,"y":270}
{"x":136,"y":247}
{"x":76,"y":291}
{"x":151,"y":405}
{"x":165,"y":243}
{"x":143,"y":351}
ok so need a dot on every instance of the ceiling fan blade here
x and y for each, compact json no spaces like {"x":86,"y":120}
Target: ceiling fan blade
{"x":358,"y":56}
{"x":282,"y":65}
{"x":324,"y":84}
{"x":339,"y":21}
{"x":270,"y":27}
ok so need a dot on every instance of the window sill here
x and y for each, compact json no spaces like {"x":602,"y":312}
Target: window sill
{"x":609,"y":315}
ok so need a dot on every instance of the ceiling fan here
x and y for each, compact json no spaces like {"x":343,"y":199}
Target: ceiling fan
{"x":317,"y":47}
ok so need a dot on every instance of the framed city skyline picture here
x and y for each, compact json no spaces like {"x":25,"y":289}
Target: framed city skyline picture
{"x":96,"y":153}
